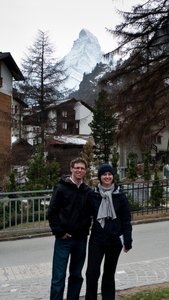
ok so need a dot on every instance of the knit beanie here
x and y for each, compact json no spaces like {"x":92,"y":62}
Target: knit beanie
{"x":105,"y":168}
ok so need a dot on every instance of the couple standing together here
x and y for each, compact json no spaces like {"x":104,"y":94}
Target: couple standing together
{"x":72,"y":207}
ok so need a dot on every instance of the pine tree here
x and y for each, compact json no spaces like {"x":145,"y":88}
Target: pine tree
{"x":38,"y":177}
{"x":131,"y":172}
{"x":103,"y":127}
{"x":114,"y":163}
{"x":146,"y":170}
{"x":55,"y":169}
{"x":156,"y":191}
{"x":11,"y":183}
{"x":12,"y":187}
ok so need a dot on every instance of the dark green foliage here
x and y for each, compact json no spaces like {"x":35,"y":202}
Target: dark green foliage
{"x":131,"y":172}
{"x":156,"y":191}
{"x":55,"y":169}
{"x":41,"y":175}
{"x":103,"y":127}
{"x":161,"y":164}
{"x":114,"y":163}
{"x":11,"y":183}
{"x":12,"y":187}
{"x":146,"y":171}
{"x":134,"y":206}
{"x":38,"y":172}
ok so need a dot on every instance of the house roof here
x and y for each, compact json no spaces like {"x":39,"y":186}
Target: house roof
{"x":17,"y":97}
{"x":63,"y":101}
{"x":11,"y":65}
{"x":68,"y":139}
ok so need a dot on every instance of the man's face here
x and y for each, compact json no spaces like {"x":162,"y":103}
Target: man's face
{"x":78,"y":171}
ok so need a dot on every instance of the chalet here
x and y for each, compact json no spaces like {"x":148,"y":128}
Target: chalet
{"x":64,"y":117}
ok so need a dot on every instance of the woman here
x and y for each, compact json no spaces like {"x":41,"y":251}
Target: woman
{"x":111,"y":228}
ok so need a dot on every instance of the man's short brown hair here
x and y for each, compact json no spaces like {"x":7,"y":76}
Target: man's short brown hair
{"x":78,"y":160}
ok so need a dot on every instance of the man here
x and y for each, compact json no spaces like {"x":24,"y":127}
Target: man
{"x":69,"y":220}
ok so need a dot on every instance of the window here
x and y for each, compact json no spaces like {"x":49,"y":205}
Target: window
{"x":64,"y":125}
{"x":64,"y":113}
{"x":16,"y":109}
{"x":1,"y":82}
{"x":158,"y":139}
{"x":77,"y":125}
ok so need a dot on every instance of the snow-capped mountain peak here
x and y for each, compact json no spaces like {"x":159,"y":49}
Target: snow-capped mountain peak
{"x":83,"y":57}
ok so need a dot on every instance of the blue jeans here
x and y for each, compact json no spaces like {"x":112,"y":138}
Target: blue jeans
{"x":64,"y":248}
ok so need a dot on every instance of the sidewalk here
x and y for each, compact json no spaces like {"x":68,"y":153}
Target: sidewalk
{"x":32,"y":280}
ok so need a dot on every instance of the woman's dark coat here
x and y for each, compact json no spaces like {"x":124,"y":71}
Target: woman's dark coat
{"x":113,"y":228}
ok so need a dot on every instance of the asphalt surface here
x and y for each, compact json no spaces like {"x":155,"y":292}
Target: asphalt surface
{"x":26,"y":264}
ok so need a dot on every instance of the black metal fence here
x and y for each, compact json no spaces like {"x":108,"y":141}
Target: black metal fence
{"x":27,"y":211}
{"x":147,"y":196}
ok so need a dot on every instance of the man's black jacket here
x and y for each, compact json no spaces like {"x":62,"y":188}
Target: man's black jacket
{"x":69,"y":209}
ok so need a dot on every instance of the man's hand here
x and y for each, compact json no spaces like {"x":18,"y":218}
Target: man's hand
{"x":66,"y":236}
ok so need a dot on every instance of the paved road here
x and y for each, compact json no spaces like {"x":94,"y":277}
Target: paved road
{"x":25,"y":265}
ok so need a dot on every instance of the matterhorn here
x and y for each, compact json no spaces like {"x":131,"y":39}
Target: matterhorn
{"x":83,"y":57}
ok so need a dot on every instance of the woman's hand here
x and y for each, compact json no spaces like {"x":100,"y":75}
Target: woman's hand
{"x":65,"y":236}
{"x":124,"y":248}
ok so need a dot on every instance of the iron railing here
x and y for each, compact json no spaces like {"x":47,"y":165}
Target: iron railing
{"x":147,"y":196}
{"x":24,"y":211}
{"x":28,"y":211}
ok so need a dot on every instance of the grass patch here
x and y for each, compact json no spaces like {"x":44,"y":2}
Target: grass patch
{"x":149,"y":215}
{"x":31,"y":230}
{"x":159,"y":294}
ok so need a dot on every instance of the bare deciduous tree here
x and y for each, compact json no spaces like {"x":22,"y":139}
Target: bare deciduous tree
{"x":140,"y":83}
{"x":44,"y":76}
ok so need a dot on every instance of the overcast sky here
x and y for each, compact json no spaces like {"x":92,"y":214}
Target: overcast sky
{"x":63,"y":19}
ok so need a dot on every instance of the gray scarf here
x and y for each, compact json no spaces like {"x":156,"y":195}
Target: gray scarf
{"x":106,"y":208}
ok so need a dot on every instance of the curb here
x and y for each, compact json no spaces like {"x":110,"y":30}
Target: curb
{"x":45,"y":234}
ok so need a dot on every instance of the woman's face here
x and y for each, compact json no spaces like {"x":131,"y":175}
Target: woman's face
{"x":106,"y":179}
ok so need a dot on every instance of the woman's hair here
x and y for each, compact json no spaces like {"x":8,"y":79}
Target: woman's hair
{"x":78,"y":160}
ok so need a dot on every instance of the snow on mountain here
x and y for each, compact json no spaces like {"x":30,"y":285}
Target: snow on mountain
{"x":83,"y":57}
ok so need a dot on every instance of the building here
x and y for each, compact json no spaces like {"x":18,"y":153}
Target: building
{"x":9,"y":72}
{"x":64,"y":117}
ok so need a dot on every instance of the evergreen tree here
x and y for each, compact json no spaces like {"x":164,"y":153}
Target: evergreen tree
{"x":103,"y":127}
{"x":11,"y":183}
{"x":55,"y":169}
{"x":161,"y":164}
{"x":12,"y":187}
{"x":38,"y":177}
{"x":146,"y":170}
{"x":131,"y":172}
{"x":44,"y":75}
{"x":114,"y":163}
{"x":156,"y":191}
